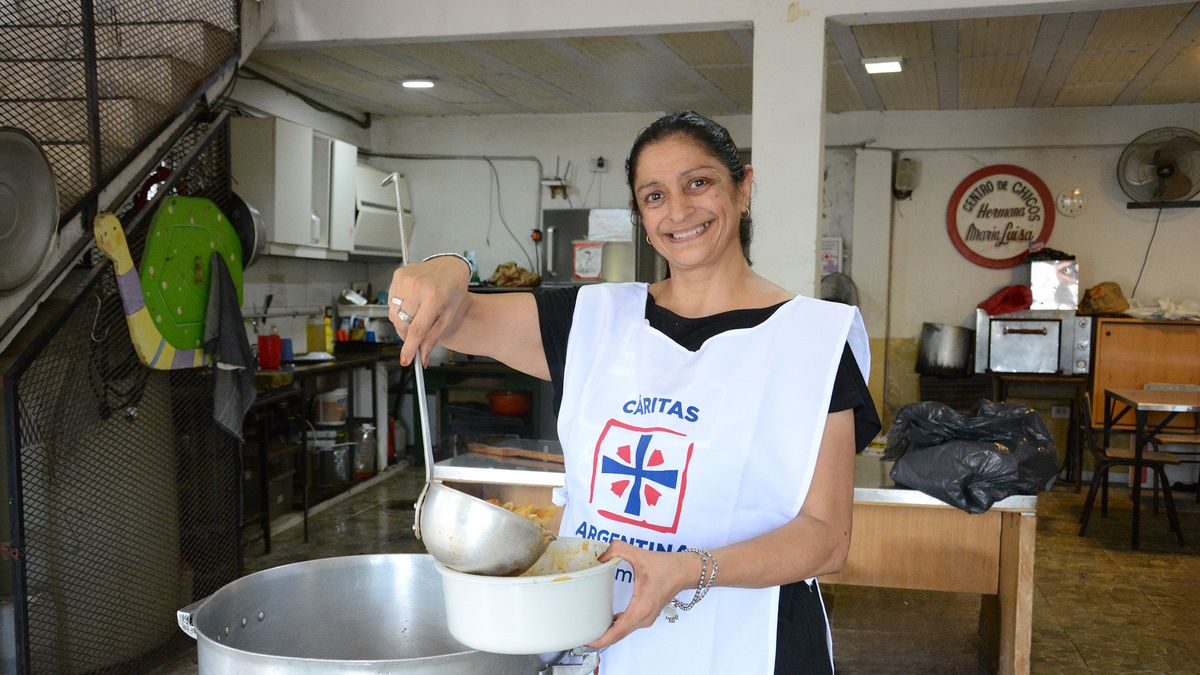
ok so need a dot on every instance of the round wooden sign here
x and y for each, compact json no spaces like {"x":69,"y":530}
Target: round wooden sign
{"x":997,"y":213}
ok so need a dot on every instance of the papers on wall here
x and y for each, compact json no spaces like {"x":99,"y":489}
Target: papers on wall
{"x":610,"y":225}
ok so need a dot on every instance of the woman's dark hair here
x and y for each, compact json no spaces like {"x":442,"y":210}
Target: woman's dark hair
{"x":709,"y":135}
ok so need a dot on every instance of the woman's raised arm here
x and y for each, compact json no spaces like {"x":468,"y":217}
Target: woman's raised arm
{"x":433,"y":295}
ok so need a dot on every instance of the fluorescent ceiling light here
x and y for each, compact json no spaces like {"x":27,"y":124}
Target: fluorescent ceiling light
{"x":886,"y":64}
{"x":423,"y":83}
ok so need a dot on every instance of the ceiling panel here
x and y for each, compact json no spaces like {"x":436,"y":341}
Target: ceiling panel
{"x":1090,"y":94}
{"x":910,"y":40}
{"x":1171,"y":91}
{"x":1185,"y":66}
{"x":990,"y":82}
{"x":997,"y":37}
{"x":534,"y":56}
{"x":1135,"y":27}
{"x":446,"y":56}
{"x":599,"y":94}
{"x":708,"y":48}
{"x":913,"y":89}
{"x":840,"y":94}
{"x":373,"y":60}
{"x":1108,"y":66}
{"x":831,"y":53}
{"x":451,"y":92}
{"x":512,"y":87}
{"x":735,"y":81}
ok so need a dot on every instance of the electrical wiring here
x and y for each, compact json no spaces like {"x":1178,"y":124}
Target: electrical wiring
{"x":588,"y":192}
{"x":307,"y":100}
{"x":500,"y":211}
{"x":1146,"y":257}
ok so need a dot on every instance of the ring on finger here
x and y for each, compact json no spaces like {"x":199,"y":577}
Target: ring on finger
{"x":404,"y":316}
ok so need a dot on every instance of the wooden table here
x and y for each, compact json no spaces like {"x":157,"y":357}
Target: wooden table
{"x":907,"y":539}
{"x":1143,"y":402}
{"x":902,"y":539}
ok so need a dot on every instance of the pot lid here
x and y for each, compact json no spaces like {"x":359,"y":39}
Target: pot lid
{"x":28,"y":207}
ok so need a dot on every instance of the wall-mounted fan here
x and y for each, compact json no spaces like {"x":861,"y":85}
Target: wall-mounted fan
{"x":838,"y":287}
{"x":1161,"y":168}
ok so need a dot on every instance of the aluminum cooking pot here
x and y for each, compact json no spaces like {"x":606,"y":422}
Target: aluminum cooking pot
{"x":353,"y":614}
{"x":945,"y":350}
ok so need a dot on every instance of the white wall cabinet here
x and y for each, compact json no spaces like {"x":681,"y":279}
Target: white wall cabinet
{"x":342,"y":167}
{"x":273,"y":170}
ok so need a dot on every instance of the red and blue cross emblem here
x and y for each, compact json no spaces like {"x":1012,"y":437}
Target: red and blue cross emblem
{"x":639,"y":475}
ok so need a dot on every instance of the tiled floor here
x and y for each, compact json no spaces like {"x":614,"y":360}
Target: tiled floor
{"x":1098,"y":606}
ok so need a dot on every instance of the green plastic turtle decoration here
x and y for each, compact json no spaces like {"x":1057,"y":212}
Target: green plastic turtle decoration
{"x":166,"y":300}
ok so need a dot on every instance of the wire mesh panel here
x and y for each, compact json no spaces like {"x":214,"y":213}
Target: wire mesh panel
{"x":129,"y":490}
{"x":94,"y":81}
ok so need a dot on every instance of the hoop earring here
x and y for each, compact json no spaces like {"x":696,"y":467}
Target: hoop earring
{"x":648,"y":239}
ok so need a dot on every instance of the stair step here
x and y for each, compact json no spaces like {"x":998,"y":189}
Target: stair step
{"x":41,"y":42}
{"x":165,"y":80}
{"x":200,"y":43}
{"x":124,"y":122}
{"x":41,"y":79}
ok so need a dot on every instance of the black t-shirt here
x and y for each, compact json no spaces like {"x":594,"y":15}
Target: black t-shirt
{"x":556,"y":308}
{"x":801,"y":641}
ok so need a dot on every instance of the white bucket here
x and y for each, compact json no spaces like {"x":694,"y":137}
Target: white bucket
{"x":330,"y":407}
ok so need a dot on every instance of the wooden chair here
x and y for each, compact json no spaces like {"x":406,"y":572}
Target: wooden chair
{"x":1108,"y":458}
{"x":1191,"y":439}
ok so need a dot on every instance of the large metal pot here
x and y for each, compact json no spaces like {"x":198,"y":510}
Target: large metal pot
{"x":945,"y":350}
{"x":354,"y":614}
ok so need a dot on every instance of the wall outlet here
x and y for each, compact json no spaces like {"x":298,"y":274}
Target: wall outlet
{"x":1060,"y":412}
{"x":600,"y":165}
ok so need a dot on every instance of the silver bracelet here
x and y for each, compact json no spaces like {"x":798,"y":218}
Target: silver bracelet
{"x":470,"y":267}
{"x":708,"y":575}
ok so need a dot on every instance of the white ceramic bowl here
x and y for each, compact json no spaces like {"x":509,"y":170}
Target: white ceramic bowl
{"x":564,"y":601}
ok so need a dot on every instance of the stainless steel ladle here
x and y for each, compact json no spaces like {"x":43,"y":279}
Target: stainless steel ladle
{"x":460,"y":531}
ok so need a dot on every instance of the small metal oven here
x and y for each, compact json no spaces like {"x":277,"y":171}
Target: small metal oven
{"x":1033,"y":341}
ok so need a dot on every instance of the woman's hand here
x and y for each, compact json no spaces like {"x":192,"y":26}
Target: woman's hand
{"x":433,"y":297}
{"x":657,"y":578}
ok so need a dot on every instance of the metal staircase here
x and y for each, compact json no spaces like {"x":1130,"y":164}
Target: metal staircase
{"x":122,"y":495}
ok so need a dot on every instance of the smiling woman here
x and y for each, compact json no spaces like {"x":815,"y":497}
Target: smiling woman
{"x":710,"y":139}
{"x":708,"y":421}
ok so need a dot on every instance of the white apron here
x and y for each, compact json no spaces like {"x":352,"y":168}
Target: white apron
{"x":671,"y":449}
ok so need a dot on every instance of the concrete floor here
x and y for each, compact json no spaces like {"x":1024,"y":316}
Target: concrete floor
{"x":1099,"y":606}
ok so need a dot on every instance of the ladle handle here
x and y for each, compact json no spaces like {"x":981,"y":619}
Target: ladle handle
{"x":418,"y":370}
{"x":422,"y":406}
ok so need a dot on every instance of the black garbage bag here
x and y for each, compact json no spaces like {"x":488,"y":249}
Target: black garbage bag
{"x":971,"y":461}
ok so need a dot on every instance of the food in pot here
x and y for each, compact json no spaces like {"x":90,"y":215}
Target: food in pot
{"x":540,"y":516}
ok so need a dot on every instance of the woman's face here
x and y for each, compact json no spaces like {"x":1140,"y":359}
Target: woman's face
{"x":689,"y":203}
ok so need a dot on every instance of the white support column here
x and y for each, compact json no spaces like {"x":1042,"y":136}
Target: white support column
{"x":789,"y":75}
{"x":870,"y":255}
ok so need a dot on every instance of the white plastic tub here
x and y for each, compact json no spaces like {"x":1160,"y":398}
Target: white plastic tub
{"x":564,"y":601}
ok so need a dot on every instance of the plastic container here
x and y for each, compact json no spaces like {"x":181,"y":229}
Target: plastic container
{"x":331,"y":449}
{"x":562,"y":602}
{"x":315,"y":333}
{"x":270,"y":352}
{"x":330,"y":407}
{"x":364,"y":454}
